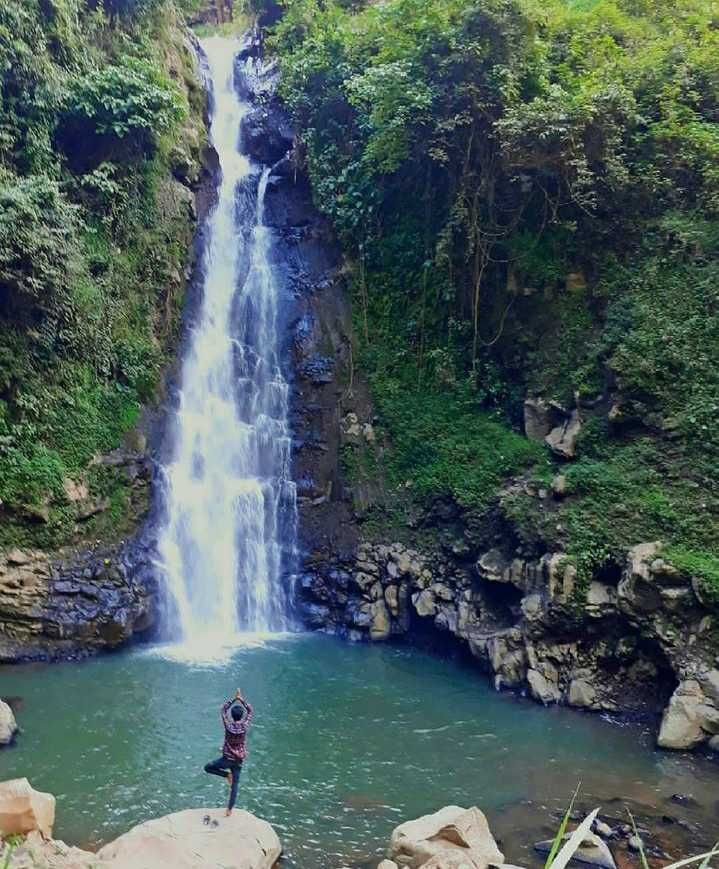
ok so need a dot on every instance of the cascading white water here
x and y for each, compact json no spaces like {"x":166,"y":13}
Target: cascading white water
{"x":230,"y":503}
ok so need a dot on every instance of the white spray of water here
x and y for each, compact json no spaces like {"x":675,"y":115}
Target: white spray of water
{"x":230,"y":502}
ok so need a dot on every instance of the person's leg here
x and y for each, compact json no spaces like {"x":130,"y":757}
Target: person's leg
{"x":217,"y":767}
{"x":235,"y":771}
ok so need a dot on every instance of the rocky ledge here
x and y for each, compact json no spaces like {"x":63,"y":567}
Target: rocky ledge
{"x":643,"y":641}
{"x":184,"y":840}
{"x":74,"y":603}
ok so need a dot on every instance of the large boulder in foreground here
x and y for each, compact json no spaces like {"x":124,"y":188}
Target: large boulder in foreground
{"x":23,"y":809}
{"x":8,"y":725}
{"x":195,"y":838}
{"x":450,"y":833}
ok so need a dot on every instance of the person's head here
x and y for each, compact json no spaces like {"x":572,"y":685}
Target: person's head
{"x":237,"y":712}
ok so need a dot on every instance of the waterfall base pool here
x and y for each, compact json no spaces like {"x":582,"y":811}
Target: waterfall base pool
{"x":348,"y":741}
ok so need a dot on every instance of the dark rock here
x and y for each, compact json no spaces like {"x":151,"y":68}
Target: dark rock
{"x":683,"y":800}
{"x":593,"y":851}
{"x":267,"y":135}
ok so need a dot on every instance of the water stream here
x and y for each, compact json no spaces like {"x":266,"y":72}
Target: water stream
{"x":229,"y":499}
{"x":348,"y":741}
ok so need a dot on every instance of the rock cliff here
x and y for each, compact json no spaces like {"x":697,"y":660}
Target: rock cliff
{"x":621,"y":645}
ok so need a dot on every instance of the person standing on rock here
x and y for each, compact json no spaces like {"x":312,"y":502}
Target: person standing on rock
{"x":236,"y":717}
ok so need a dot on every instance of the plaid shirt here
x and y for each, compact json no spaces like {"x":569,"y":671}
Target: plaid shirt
{"x":234,"y":748}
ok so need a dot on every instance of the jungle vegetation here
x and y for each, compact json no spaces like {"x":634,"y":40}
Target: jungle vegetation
{"x":98,"y":107}
{"x":528,"y":191}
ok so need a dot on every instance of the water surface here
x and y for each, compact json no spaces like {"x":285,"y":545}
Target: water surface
{"x":348,"y":741}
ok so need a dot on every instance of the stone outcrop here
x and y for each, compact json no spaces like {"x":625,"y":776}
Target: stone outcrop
{"x":74,"y":603}
{"x":8,"y":725}
{"x":195,"y":838}
{"x":23,"y":809}
{"x":620,"y":644}
{"x":692,"y":716}
{"x":451,"y":837}
{"x":192,"y":839}
{"x":562,"y":440}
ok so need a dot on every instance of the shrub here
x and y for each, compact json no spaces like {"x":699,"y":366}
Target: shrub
{"x":38,"y":242}
{"x":126,"y":103}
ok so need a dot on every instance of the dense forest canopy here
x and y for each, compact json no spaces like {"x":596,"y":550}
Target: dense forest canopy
{"x":530,"y":194}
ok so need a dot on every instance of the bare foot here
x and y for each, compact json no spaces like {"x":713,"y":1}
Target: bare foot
{"x":228,"y":812}
{"x":229,"y":779}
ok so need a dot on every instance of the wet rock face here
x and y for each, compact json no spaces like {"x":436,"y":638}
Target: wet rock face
{"x":82,"y":603}
{"x":80,"y":600}
{"x":606,"y":647}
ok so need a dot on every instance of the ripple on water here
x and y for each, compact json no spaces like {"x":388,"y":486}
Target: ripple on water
{"x":348,"y":741}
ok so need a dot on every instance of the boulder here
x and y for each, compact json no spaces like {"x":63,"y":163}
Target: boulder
{"x":508,"y":658}
{"x":542,"y":689}
{"x":600,"y":595}
{"x":450,"y":831}
{"x":424,"y":603}
{"x":493,"y":566}
{"x":601,"y":828}
{"x":196,"y":838}
{"x":582,"y":694}
{"x":38,"y":852}
{"x":23,"y":809}
{"x":453,"y":860}
{"x":681,"y":726}
{"x":538,"y":418}
{"x":562,"y":440}
{"x":714,"y":744}
{"x":388,"y":864}
{"x":593,"y":851}
{"x":710,"y":685}
{"x":559,"y":486}
{"x":532,"y":608}
{"x":8,"y":725}
{"x":380,"y":628}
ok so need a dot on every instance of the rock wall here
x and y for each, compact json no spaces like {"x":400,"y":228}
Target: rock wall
{"x":618,"y":647}
{"x":73,"y":604}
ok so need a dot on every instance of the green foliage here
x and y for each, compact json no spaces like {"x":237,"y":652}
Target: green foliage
{"x":700,"y":563}
{"x":93,"y":239}
{"x":442,"y":445}
{"x":128,"y":98}
{"x":38,"y":239}
{"x":530,"y":192}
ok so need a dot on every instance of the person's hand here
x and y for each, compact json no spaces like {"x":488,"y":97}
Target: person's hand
{"x":238,"y":694}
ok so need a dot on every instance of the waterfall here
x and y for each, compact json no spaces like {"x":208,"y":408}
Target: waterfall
{"x":230,"y":503}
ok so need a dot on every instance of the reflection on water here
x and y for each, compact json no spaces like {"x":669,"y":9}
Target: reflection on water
{"x":348,"y":742}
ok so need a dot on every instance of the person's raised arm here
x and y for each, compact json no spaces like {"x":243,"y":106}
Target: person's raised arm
{"x":229,"y":722}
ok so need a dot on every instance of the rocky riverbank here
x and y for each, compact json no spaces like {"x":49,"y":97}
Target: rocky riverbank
{"x":640,"y":644}
{"x":184,"y":840}
{"x":451,"y":838}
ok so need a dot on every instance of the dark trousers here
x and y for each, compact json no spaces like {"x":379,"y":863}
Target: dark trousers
{"x":223,"y":768}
